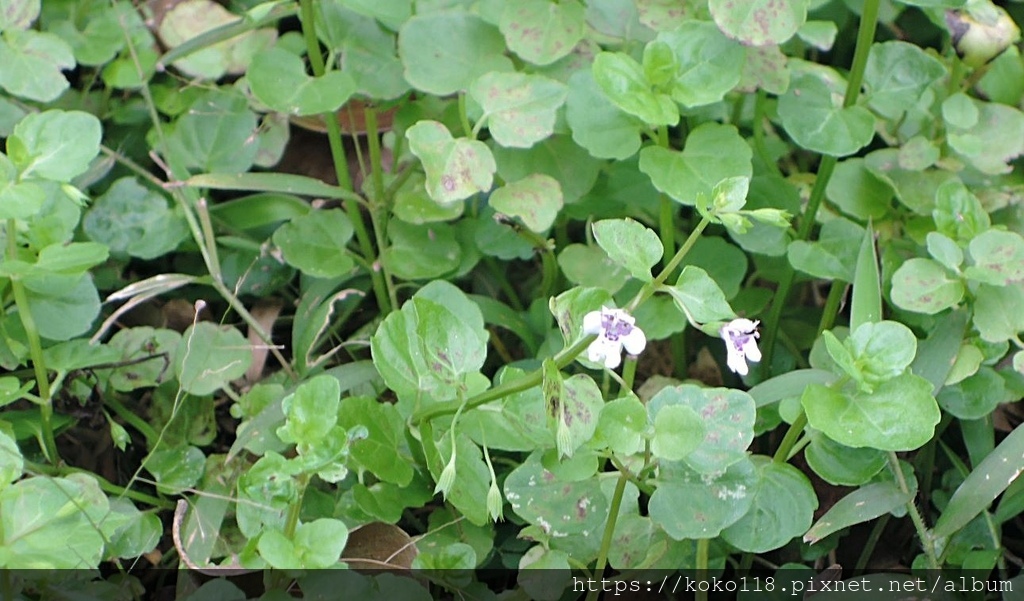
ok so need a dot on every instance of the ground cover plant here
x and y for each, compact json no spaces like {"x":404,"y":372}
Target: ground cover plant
{"x":604,"y":288}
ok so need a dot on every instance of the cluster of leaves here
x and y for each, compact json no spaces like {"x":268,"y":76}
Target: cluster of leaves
{"x":518,"y":165}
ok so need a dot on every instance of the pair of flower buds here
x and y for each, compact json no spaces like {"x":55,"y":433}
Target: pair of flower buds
{"x":616,"y":330}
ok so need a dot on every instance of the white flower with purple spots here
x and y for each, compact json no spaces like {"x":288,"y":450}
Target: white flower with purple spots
{"x":616,"y":330}
{"x":740,"y":336}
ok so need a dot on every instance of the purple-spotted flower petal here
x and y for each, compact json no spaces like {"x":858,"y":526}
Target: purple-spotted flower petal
{"x":615,"y":330}
{"x":740,"y":336}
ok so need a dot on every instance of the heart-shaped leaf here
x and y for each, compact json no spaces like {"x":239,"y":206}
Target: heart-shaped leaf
{"x":278,"y":79}
{"x":817,"y":123}
{"x":456,"y":168}
{"x":519,"y":108}
{"x":713,"y":152}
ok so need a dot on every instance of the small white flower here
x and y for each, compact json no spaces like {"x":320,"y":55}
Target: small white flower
{"x":615,"y":330}
{"x":740,"y":336}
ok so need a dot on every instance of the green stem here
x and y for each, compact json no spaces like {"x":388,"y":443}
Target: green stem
{"x":915,"y":515}
{"x":381,"y":205}
{"x":835,"y":298}
{"x":651,"y":287}
{"x":870,"y":544}
{"x":703,"y":544}
{"x":628,"y":375}
{"x":35,"y":346}
{"x":865,"y":37}
{"x":667,"y":226}
{"x":534,"y":378}
{"x":132,"y":419}
{"x":609,"y":532}
{"x":467,"y":129}
{"x":316,"y":61}
{"x":120,"y":491}
{"x":789,"y":440}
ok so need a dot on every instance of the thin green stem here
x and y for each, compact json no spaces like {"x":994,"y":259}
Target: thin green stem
{"x":609,"y":532}
{"x":114,"y":489}
{"x":789,"y":440}
{"x":628,"y":375}
{"x":915,"y":516}
{"x":651,"y":287}
{"x":35,"y":346}
{"x":835,"y":298}
{"x":703,"y":545}
{"x":467,"y":130}
{"x":667,"y":226}
{"x":865,"y":37}
{"x":870,"y":544}
{"x":316,"y":61}
{"x":381,"y":204}
{"x":131,"y":418}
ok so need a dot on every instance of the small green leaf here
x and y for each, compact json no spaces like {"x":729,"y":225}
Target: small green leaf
{"x":897,"y":74}
{"x":580,"y":409}
{"x":559,"y":507}
{"x":944,"y":250}
{"x":444,"y":52}
{"x":841,"y":465}
{"x":311,"y":411}
{"x":710,"y":64}
{"x":622,"y":424}
{"x":713,"y":152}
{"x":900,"y":415}
{"x":188,"y":20}
{"x":998,"y":258}
{"x":33,"y":62}
{"x":66,"y":312}
{"x":958,"y":111}
{"x":419,"y":252}
{"x":691,"y":505}
{"x":456,"y":168}
{"x":381,"y":450}
{"x":426,"y":349}
{"x":592,"y":267}
{"x":857,"y":192}
{"x":783,"y":508}
{"x":315,"y":243}
{"x":818,"y":123}
{"x":519,"y":108}
{"x":133,"y":220}
{"x":678,"y":431}
{"x":557,"y":156}
{"x":12,"y":464}
{"x":630,"y":244}
{"x":728,"y":423}
{"x":924,"y":286}
{"x":278,"y":79}
{"x":176,"y":469}
{"x":55,"y":144}
{"x":542,"y":32}
{"x":536,"y":200}
{"x":986,"y":482}
{"x":623,"y":82}
{"x":974,"y":397}
{"x":209,"y":356}
{"x":18,"y":14}
{"x":958,"y":214}
{"x":882,"y":349}
{"x":864,"y":504}
{"x":834,"y":255}
{"x":596,"y":123}
{"x":760,"y":22}
{"x":995,"y":140}
{"x":216,"y":134}
{"x":700,"y":297}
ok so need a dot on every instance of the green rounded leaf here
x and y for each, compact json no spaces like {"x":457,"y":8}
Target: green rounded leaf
{"x":311,"y":411}
{"x":622,"y":424}
{"x":315,"y":243}
{"x":133,"y":220}
{"x":18,"y":14}
{"x":815,"y":121}
{"x":841,"y":465}
{"x":33,"y":62}
{"x":444,"y":52}
{"x":710,"y":64}
{"x":998,"y":258}
{"x":833,"y":255}
{"x":176,"y":469}
{"x":896,"y":76}
{"x":591,"y":266}
{"x":64,"y":313}
{"x":678,"y":431}
{"x":596,"y":123}
{"x":700,"y":297}
{"x":540,"y":31}
{"x":456,"y":168}
{"x":559,"y":507}
{"x":924,"y":286}
{"x":783,"y":508}
{"x":278,"y":79}
{"x":999,"y":311}
{"x":519,"y":108}
{"x":974,"y":397}
{"x":713,"y":152}
{"x":55,"y":144}
{"x":693,"y":505}
{"x":728,"y":423}
{"x":209,"y":356}
{"x":759,"y":22}
{"x":558,"y":156}
{"x":900,"y":415}
{"x":623,"y":82}
{"x":419,"y":252}
{"x":858,"y":192}
{"x":630,"y":244}
{"x":536,"y":200}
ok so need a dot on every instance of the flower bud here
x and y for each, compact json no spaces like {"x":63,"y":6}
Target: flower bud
{"x":981,"y":32}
